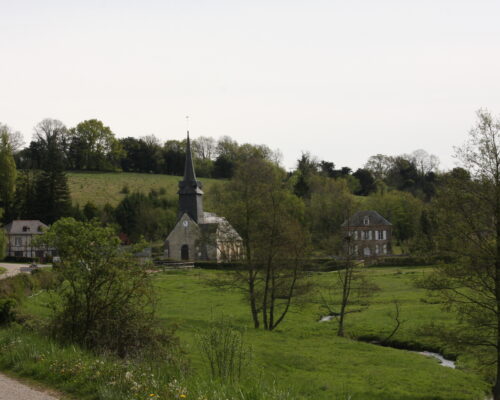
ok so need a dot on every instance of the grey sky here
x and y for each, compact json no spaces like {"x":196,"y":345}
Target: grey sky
{"x":341,"y":79}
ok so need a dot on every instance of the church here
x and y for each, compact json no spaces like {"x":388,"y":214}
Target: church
{"x":199,"y":235}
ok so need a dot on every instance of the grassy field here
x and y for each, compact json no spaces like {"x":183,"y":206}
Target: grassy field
{"x":305,"y":356}
{"x":106,"y":187}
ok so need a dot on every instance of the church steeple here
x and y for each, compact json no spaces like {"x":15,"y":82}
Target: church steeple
{"x":189,"y":174}
{"x":190,"y":192}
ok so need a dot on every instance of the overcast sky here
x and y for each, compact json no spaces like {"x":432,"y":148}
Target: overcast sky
{"x":341,"y":79}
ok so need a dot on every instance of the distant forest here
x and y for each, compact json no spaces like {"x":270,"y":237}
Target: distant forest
{"x":400,"y":187}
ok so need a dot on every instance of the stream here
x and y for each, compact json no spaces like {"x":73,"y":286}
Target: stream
{"x":443,"y":361}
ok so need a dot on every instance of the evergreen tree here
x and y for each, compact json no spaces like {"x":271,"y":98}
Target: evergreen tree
{"x":53,"y":199}
{"x":26,"y":199}
{"x":8,"y":175}
{"x":52,"y":192}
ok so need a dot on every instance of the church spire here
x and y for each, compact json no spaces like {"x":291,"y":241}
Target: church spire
{"x":190,"y":193}
{"x":189,"y":174}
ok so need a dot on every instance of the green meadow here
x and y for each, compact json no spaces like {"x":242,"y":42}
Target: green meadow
{"x":305,"y":356}
{"x":107,"y":187}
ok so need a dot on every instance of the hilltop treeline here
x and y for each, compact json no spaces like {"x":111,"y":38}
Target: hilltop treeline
{"x":92,"y":146}
{"x":34,"y":184}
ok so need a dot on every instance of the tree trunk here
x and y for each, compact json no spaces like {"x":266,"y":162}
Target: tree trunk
{"x":253,"y":306}
{"x":496,"y":387}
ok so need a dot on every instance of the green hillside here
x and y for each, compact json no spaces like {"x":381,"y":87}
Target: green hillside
{"x":107,"y":187}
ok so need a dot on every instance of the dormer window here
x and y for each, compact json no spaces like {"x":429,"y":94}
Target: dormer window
{"x":26,"y":228}
{"x":366,"y":221}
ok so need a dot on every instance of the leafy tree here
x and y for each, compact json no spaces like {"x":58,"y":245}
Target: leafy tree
{"x":402,"y":209}
{"x":307,"y":167}
{"x":3,"y":244}
{"x":8,"y":174}
{"x":327,"y":168}
{"x":223,"y":167}
{"x":326,"y":212}
{"x":469,"y":229}
{"x":270,"y":221}
{"x":107,"y":301}
{"x":379,"y":165}
{"x":90,"y":211}
{"x":93,"y":146}
{"x":147,"y":216}
{"x":366,"y":182}
{"x":174,"y":154}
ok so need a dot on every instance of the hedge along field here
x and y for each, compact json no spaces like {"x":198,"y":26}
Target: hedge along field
{"x":305,"y":356}
{"x":106,"y":187}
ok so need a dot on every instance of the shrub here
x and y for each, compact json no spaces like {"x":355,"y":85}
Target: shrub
{"x":224,"y":351}
{"x":107,"y":299}
{"x":7,"y":313}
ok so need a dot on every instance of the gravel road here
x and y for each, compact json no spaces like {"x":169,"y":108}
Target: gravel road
{"x":14,"y":390}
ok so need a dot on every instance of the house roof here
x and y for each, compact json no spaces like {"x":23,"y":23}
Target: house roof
{"x":25,"y":227}
{"x":225,"y":230}
{"x":358,"y":219}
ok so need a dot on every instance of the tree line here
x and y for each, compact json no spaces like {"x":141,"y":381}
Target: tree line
{"x":93,"y":146}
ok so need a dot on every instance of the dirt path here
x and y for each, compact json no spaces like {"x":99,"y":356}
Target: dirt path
{"x":11,"y":389}
{"x":14,"y":269}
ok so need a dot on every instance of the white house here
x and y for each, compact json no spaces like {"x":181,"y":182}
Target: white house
{"x":20,"y":234}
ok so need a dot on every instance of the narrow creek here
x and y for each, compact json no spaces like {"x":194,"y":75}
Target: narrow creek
{"x":443,"y":361}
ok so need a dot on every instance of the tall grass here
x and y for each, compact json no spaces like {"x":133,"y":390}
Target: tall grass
{"x":91,"y":377}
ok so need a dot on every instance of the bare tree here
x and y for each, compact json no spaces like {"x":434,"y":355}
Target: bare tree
{"x":16,"y":139}
{"x":379,"y":165}
{"x":396,"y":316}
{"x":424,"y":162}
{"x":469,"y":229}
{"x":350,"y":290}
{"x":204,"y":147}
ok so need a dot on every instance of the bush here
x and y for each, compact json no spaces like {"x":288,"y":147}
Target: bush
{"x":7,"y":313}
{"x":224,"y":351}
{"x":107,"y":301}
{"x":218,"y":265}
{"x":410,"y":261}
{"x":19,"y":286}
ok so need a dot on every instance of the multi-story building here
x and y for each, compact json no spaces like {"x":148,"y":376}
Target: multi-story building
{"x":369,"y":234}
{"x":20,"y":234}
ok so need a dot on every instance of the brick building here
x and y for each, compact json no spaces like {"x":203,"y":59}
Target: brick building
{"x":370,"y":234}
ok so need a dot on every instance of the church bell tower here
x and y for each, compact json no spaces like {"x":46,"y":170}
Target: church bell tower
{"x":190,"y":193}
